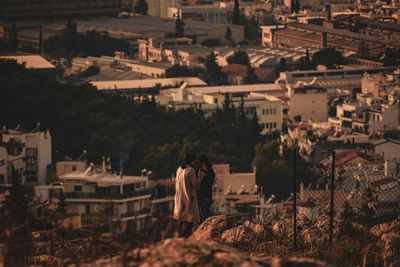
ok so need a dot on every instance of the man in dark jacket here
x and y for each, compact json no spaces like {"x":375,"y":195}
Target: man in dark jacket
{"x":207,"y":176}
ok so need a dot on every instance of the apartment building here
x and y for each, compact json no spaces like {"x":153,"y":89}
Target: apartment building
{"x":368,"y":115}
{"x":267,"y":106}
{"x":308,"y":102}
{"x":162,"y":197}
{"x":207,"y":13}
{"x":380,"y":84}
{"x":300,"y":34}
{"x":95,"y":190}
{"x":28,"y":153}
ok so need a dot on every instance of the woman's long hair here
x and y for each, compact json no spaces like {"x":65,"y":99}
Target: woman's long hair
{"x":204,"y":158}
{"x":187,"y":160}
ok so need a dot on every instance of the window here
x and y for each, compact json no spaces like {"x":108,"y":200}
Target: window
{"x":266,"y":125}
{"x":31,"y":179}
{"x":74,"y":168}
{"x":270,"y":125}
{"x":78,"y":188}
{"x":275,"y":125}
{"x":2,"y":180}
{"x":137,"y":185}
{"x":87,"y":208}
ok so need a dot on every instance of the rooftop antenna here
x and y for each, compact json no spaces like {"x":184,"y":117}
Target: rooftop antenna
{"x":37,"y":128}
{"x":84,"y":152}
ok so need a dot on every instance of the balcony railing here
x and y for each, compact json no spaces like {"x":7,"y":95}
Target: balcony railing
{"x":164,"y":195}
{"x":98,"y":195}
{"x":135,"y":213}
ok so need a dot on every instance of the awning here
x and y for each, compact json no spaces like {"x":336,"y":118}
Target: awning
{"x":18,"y":164}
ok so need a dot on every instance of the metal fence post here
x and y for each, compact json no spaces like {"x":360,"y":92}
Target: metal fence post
{"x":294,"y":199}
{"x":332,"y":199}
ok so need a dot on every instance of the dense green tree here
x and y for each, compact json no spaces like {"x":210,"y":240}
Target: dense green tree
{"x":251,"y":77}
{"x":363,"y":49}
{"x":179,"y":71}
{"x":61,"y":205}
{"x":228,"y":34}
{"x":140,"y":7}
{"x":213,"y":74}
{"x":212,"y":42}
{"x":297,"y":6}
{"x":273,"y":172}
{"x":329,"y":57}
{"x":179,"y":26}
{"x":92,"y":70}
{"x":135,"y":134}
{"x":236,"y":13}
{"x":307,"y":62}
{"x":391,"y":57}
{"x":281,"y":67}
{"x":92,"y":43}
{"x":239,"y":57}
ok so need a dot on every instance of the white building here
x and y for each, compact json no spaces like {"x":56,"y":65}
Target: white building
{"x":27,"y":153}
{"x":267,"y":107}
{"x":95,"y":190}
{"x":369,"y":115}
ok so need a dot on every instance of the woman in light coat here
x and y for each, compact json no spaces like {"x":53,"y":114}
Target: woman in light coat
{"x":186,"y":210}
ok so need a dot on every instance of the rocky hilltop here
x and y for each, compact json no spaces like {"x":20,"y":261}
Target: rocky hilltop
{"x":190,"y":252}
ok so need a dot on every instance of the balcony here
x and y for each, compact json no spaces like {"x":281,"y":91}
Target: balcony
{"x":108,"y":196}
{"x":135,"y":213}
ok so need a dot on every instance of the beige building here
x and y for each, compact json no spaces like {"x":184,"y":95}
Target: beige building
{"x":94,"y":191}
{"x":64,"y":167}
{"x":268,"y":108}
{"x":310,"y":102}
{"x":29,"y":153}
{"x":380,"y":84}
{"x":207,"y":13}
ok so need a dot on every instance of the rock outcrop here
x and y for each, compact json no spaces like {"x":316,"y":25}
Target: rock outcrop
{"x":211,"y":229}
{"x":190,"y":252}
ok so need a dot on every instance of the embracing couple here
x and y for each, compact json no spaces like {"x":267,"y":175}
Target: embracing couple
{"x":193,"y":191}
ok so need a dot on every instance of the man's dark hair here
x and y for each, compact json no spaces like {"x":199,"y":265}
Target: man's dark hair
{"x":203,"y":158}
{"x":187,"y":160}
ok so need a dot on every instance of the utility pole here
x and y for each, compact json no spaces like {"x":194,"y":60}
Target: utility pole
{"x":332,"y":199}
{"x":294,"y":199}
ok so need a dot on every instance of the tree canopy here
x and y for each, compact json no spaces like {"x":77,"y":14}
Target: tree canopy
{"x":251,"y":77}
{"x":179,"y":26}
{"x":179,"y":71}
{"x":329,"y":57}
{"x":239,"y":57}
{"x":213,"y":74}
{"x":135,"y":135}
{"x":211,"y":42}
{"x":140,"y":7}
{"x":92,"y":43}
{"x":236,"y":13}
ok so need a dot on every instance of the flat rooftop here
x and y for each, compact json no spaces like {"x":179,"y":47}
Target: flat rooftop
{"x":142,"y":26}
{"x":31,"y":61}
{"x":222,"y":89}
{"x":103,"y":179}
{"x":147,"y":83}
